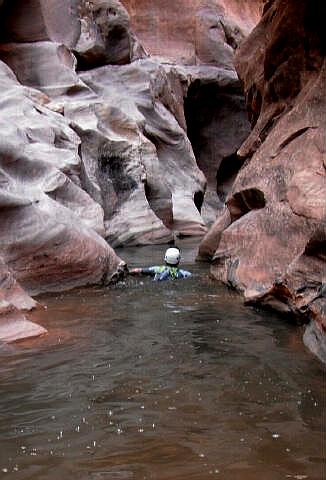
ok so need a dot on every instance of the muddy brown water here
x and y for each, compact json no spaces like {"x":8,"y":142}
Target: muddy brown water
{"x":168,"y":381}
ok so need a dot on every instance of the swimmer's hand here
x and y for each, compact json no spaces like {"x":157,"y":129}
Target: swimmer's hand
{"x":135,"y":271}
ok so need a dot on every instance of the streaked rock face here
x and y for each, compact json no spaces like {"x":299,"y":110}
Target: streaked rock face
{"x":274,"y":248}
{"x":193,"y":32}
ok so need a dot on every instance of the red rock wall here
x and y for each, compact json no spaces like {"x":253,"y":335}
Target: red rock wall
{"x":272,"y":247}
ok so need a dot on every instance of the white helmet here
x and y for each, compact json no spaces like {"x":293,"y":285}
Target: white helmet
{"x":172,"y":256}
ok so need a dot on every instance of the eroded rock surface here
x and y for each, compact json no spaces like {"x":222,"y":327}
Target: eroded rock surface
{"x":274,"y":248}
{"x":106,"y":37}
{"x":203,"y":39}
{"x":50,"y":228}
{"x":98,"y":150}
{"x":137,"y":155}
{"x":193,"y":32}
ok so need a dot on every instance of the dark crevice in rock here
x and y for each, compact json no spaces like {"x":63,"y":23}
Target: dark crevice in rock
{"x":316,"y":246}
{"x":118,"y":44}
{"x":217,"y":124}
{"x":227,"y":173}
{"x":160,"y":206}
{"x":267,"y":5}
{"x":245,"y":201}
{"x":292,"y":137}
{"x":114,"y":51}
{"x":116,"y":186}
{"x":254,"y":103}
{"x":148,"y":192}
{"x":79,"y":150}
{"x":266,"y":129}
{"x":198,"y":200}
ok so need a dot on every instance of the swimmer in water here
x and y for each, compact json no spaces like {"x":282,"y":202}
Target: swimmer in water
{"x":169,"y":271}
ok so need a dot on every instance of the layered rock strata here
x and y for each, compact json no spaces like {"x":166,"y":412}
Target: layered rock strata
{"x":270,"y":242}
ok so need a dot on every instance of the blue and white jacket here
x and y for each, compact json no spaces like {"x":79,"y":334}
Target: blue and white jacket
{"x":165,"y":272}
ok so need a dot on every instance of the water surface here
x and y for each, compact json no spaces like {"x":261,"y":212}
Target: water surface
{"x":167,"y":381}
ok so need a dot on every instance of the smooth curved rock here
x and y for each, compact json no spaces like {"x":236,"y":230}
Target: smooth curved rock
{"x":49,"y":225}
{"x":156,"y":94}
{"x":13,"y":299}
{"x":51,"y":67}
{"x":14,"y":327}
{"x":210,"y":242}
{"x":140,"y":159}
{"x":204,"y":38}
{"x":40,"y":20}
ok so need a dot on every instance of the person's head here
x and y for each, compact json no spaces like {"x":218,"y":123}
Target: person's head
{"x":172,"y":257}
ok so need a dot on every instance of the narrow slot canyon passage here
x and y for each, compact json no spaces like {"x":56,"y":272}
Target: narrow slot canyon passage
{"x":217,"y":124}
{"x":129,"y":128}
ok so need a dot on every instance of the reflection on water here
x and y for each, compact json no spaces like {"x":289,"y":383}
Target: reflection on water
{"x":166,"y":381}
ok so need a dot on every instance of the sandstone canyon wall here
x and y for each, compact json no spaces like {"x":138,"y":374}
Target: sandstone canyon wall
{"x":270,"y":241}
{"x":199,"y":38}
{"x":125,"y":123}
{"x":94,"y":145}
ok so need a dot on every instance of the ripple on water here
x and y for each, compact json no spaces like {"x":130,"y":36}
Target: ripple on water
{"x":164,"y":381}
